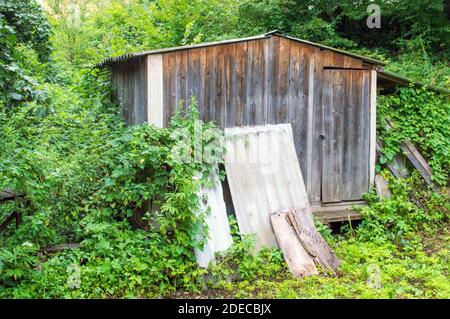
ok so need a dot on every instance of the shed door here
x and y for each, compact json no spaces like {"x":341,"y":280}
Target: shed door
{"x":346,"y":127}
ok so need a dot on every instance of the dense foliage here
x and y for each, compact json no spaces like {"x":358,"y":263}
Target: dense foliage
{"x":422,"y":117}
{"x":121,"y":193}
{"x":22,"y":25}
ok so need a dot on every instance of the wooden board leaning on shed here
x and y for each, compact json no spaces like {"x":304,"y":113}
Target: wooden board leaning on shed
{"x":270,"y":197}
{"x":302,"y":245}
{"x":414,"y":157}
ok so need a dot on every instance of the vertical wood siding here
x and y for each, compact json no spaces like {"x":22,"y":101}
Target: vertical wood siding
{"x":277,"y":80}
{"x":345,"y":158}
{"x":130,"y":89}
{"x":328,"y":97}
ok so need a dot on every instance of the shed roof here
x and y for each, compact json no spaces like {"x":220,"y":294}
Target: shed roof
{"x":388,"y":79}
{"x":127,"y":56}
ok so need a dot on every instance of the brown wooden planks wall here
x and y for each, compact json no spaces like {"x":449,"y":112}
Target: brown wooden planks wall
{"x":345,"y":158}
{"x":250,"y":83}
{"x":130,"y":89}
{"x":277,"y":80}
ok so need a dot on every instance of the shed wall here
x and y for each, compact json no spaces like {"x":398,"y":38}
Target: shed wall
{"x":261,"y":81}
{"x":264,"y":81}
{"x":130,"y":89}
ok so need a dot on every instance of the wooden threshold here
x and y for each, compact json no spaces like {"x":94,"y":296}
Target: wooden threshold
{"x":339,"y":212}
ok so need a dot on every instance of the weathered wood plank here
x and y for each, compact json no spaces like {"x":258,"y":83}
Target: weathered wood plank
{"x":282,"y":97}
{"x":169,"y":103}
{"x":226,"y":85}
{"x":12,"y":217}
{"x":417,"y":160}
{"x":314,"y":244}
{"x":337,"y":216}
{"x":345,"y":167}
{"x":181,"y":80}
{"x":219,"y":109}
{"x":203,"y":89}
{"x":221,"y":74}
{"x":214,"y":88}
{"x":208,"y":70}
{"x":316,"y":87}
{"x":363,"y":181}
{"x":350,"y":111}
{"x":267,"y":45}
{"x":337,"y":60}
{"x":260,"y":108}
{"x":254,"y":83}
{"x":295,"y":100}
{"x":273,"y":72}
{"x":332,"y":121}
{"x":194,"y":75}
{"x":373,"y":125}
{"x":339,"y":93}
{"x":234,"y":87}
{"x":143,"y":78}
{"x":241,"y":84}
{"x":360,"y":135}
{"x":382,"y":187}
{"x":6,"y":195}
{"x":299,"y":261}
{"x":124,"y":91}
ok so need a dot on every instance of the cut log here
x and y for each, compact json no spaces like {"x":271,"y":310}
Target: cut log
{"x":314,"y":244}
{"x":382,"y":187}
{"x":300,"y":263}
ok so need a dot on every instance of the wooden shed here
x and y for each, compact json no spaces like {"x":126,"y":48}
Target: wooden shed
{"x":328,"y":96}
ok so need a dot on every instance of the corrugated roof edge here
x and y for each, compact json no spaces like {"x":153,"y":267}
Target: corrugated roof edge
{"x":400,"y":79}
{"x":128,"y":56}
{"x":361,"y":57}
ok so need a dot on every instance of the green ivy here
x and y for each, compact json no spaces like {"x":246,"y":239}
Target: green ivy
{"x":423,"y":117}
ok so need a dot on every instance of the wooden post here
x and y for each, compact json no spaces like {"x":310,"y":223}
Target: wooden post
{"x":18,"y":220}
{"x":373,"y":126}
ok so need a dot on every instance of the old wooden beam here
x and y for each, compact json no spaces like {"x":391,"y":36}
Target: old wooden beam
{"x":7,"y":195}
{"x":314,"y":244}
{"x":417,"y":160}
{"x":338,"y":212}
{"x":8,"y":220}
{"x":300,"y":263}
